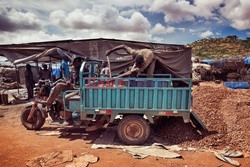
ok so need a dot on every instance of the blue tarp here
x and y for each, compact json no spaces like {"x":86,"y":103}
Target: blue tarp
{"x":56,"y":72}
{"x":237,"y":85}
{"x":247,"y":60}
{"x":207,"y":61}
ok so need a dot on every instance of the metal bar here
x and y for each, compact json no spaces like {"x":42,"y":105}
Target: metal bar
{"x":155,"y":99}
{"x":164,"y":99}
{"x":109,"y":67}
{"x":91,"y":99}
{"x":174,"y":99}
{"x":100,"y":98}
{"x":17,"y":79}
{"x":118,"y":98}
{"x":109,"y":98}
{"x":146,"y":98}
{"x":136,"y":101}
{"x":183,"y":99}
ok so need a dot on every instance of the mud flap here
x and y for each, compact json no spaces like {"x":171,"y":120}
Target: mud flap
{"x":196,"y":120}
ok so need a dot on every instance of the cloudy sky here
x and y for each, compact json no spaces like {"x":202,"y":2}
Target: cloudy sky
{"x":166,"y":21}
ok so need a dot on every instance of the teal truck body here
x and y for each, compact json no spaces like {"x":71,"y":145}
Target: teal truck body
{"x":146,"y":98}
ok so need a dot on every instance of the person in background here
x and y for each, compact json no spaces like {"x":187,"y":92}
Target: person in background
{"x":77,"y":62}
{"x":62,"y":87}
{"x":199,"y":70}
{"x":105,"y":72}
{"x":30,"y":84}
{"x":45,"y":72}
{"x":65,"y":69}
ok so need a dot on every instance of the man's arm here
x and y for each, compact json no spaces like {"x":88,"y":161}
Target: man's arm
{"x":124,"y":47}
{"x":134,"y":68}
{"x":128,"y":73}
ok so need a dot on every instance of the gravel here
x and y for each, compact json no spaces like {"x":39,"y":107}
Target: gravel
{"x":224,"y":111}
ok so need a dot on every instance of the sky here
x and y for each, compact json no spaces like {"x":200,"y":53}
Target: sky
{"x":160,"y":21}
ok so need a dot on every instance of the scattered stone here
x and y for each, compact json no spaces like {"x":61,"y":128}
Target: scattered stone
{"x":141,"y":152}
{"x":50,"y":133}
{"x":175,"y":148}
{"x":226,"y":159}
{"x":231,"y":154}
{"x":83,"y":161}
{"x":89,"y":158}
{"x":191,"y":149}
{"x":51,"y":159}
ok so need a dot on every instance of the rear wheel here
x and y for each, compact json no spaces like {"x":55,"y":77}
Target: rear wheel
{"x":36,"y":122}
{"x":133,"y":130}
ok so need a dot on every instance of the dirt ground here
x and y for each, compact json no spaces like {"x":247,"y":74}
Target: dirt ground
{"x":225,"y":112}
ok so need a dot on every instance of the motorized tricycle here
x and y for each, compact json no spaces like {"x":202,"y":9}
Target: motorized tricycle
{"x":135,"y":101}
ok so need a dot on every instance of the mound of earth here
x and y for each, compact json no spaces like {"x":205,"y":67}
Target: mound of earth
{"x":224,"y":111}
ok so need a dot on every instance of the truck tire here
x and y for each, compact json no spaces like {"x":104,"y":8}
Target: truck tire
{"x":133,"y":130}
{"x":37,"y":120}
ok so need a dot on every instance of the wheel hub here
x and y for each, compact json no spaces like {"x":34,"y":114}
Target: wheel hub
{"x":133,"y":131}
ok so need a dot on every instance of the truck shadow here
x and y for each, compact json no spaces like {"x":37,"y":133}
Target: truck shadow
{"x":168,"y":131}
{"x":71,"y":133}
{"x":173,"y":130}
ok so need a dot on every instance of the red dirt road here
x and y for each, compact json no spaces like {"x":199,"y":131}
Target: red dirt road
{"x":17,"y":145}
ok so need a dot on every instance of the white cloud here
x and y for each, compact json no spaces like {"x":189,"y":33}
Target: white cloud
{"x":206,"y":8}
{"x":160,"y":29}
{"x":206,"y":34}
{"x":158,"y":39}
{"x":173,"y":10}
{"x":217,"y":33}
{"x":126,"y":3}
{"x":181,"y":29}
{"x":13,"y":20}
{"x":28,"y":36}
{"x":238,"y":13}
{"x":127,"y":13}
{"x":183,"y":10}
{"x":170,"y":29}
{"x":100,"y":18}
{"x":191,"y":30}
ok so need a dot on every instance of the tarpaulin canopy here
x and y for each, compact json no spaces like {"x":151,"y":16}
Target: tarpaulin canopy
{"x":45,"y":56}
{"x":173,"y":59}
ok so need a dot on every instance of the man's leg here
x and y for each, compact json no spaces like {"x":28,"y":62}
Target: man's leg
{"x":60,"y":87}
{"x":29,"y":90}
{"x":150,"y":69}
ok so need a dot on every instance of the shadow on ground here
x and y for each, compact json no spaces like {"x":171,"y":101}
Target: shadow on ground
{"x":172,"y":130}
{"x":168,"y":131}
{"x":73,"y":132}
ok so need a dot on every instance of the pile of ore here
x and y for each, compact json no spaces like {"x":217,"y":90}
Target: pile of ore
{"x":224,"y":111}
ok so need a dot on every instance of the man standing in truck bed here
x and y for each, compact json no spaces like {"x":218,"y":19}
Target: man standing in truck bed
{"x":144,"y":59}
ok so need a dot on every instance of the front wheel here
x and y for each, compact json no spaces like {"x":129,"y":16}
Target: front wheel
{"x":35,"y":123}
{"x":133,"y":130}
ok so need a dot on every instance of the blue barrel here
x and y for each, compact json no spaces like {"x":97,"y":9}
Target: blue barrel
{"x":237,"y":85}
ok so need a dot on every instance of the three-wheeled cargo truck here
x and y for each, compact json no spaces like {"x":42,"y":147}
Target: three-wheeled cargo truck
{"x":136,"y":100}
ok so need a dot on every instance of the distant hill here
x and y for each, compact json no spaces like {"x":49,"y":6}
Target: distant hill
{"x":216,"y":48}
